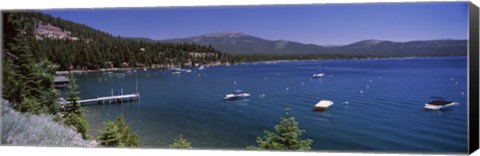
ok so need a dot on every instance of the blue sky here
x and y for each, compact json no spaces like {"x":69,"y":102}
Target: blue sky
{"x":319,"y":24}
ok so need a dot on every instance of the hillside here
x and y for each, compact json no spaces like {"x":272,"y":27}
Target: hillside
{"x":411,"y":48}
{"x":239,"y":43}
{"x":73,"y":46}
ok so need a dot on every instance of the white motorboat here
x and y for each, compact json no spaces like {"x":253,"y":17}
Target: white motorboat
{"x":317,"y":75}
{"x":237,"y":94}
{"x":439,"y":103}
{"x":323,"y":105}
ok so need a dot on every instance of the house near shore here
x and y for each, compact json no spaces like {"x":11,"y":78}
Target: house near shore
{"x":61,"y":81}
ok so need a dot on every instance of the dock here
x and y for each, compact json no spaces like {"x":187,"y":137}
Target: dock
{"x":106,"y":99}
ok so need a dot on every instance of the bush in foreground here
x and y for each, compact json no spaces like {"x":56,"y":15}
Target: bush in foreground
{"x":286,"y":137}
{"x":117,"y":134}
{"x":32,"y":130}
{"x":180,"y":143}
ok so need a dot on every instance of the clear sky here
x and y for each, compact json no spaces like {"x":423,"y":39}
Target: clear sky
{"x":319,"y":24}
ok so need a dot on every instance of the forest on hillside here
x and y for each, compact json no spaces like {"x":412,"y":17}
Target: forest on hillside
{"x":89,"y":48}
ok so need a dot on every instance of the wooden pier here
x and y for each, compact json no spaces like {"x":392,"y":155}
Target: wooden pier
{"x":107,"y":99}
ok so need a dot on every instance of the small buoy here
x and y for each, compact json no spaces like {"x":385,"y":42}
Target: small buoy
{"x":361,"y":91}
{"x":287,"y":88}
{"x":463,"y":93}
{"x":346,"y":102}
{"x":234,"y":82}
{"x":368,"y":86}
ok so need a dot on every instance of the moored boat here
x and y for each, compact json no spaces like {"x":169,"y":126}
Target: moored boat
{"x":317,"y":75}
{"x":323,"y":105}
{"x":439,"y":103}
{"x":237,"y":94}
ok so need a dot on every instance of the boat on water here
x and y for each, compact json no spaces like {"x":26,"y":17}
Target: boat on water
{"x":323,"y":105}
{"x":317,"y":75}
{"x":439,"y":103}
{"x":201,"y":68}
{"x":236,"y":95}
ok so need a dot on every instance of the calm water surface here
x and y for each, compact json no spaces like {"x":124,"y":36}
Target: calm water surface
{"x":387,"y":116}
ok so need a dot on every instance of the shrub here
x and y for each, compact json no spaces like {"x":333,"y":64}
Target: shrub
{"x":118,"y":134}
{"x":180,"y":143}
{"x":32,"y":130}
{"x":286,"y":137}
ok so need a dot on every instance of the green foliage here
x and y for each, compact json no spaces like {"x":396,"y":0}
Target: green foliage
{"x":73,"y":106}
{"x":74,"y":115}
{"x":180,"y":143}
{"x":117,"y":134}
{"x":129,"y":139}
{"x":28,"y":81}
{"x":286,"y":137}
{"x":79,"y":122}
{"x":110,"y":135}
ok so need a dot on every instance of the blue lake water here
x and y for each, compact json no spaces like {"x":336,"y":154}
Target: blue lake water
{"x":387,"y":116}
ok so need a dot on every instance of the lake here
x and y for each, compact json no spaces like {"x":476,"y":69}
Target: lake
{"x":378,"y":104}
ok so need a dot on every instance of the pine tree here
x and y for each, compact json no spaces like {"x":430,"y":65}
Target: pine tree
{"x":28,"y":80}
{"x":129,"y":139}
{"x":180,"y":143}
{"x":73,"y":106}
{"x":286,"y":137}
{"x":110,"y":135}
{"x":118,"y":134}
{"x":74,"y":115}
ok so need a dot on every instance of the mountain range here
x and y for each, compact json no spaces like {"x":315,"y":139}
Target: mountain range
{"x":240,"y":43}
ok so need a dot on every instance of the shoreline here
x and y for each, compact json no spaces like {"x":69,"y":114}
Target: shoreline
{"x":242,"y":63}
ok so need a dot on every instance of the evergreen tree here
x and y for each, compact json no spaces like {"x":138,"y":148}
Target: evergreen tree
{"x":117,"y":134}
{"x":286,"y":137}
{"x":129,"y":139}
{"x":73,"y":106}
{"x":74,"y":115}
{"x":28,"y":82}
{"x":180,"y":143}
{"x":110,"y":135}
{"x":79,"y":122}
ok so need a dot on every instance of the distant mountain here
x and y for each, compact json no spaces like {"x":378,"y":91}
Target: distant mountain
{"x":141,"y":39}
{"x":240,"y":43}
{"x":411,"y":48}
